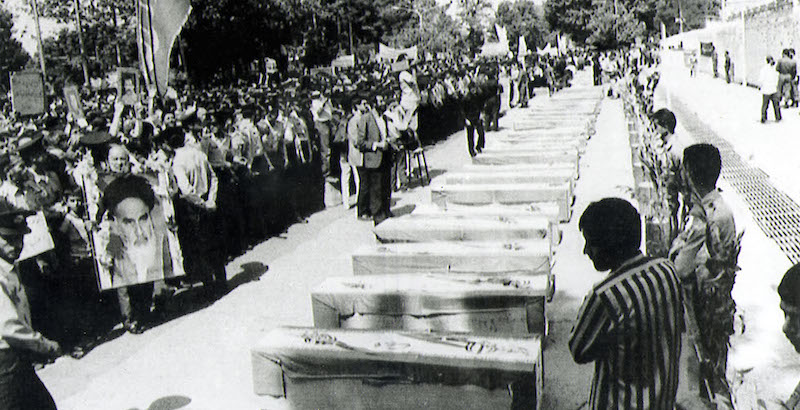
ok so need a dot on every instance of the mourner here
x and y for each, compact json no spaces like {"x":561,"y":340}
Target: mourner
{"x":705,"y":255}
{"x":20,"y":387}
{"x":630,"y":323}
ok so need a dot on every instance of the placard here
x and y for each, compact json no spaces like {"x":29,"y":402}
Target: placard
{"x":74,"y":105}
{"x":38,"y":240}
{"x":135,"y":242}
{"x":27,"y":93}
{"x":128,"y":85}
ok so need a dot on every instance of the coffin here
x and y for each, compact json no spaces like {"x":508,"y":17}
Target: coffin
{"x":523,"y":168}
{"x":490,"y":157}
{"x":485,"y":194}
{"x":531,"y":257}
{"x":508,"y":305}
{"x":356,"y":369}
{"x":520,"y":176}
{"x":548,"y":210}
{"x":466,"y":228}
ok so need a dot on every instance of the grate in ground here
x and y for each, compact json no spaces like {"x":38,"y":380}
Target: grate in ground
{"x":774,"y":212}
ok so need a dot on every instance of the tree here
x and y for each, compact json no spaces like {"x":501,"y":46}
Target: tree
{"x":570,"y":16}
{"x":612,"y":28}
{"x":522,"y":18}
{"x":475,"y":16}
{"x":423,"y":23}
{"x":12,"y":56}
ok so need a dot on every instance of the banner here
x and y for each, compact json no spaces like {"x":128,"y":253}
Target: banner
{"x":73,"y":99}
{"x":522,"y":50}
{"x":159,"y":22}
{"x":344,"y":61}
{"x":27,"y":93}
{"x":386,"y":53}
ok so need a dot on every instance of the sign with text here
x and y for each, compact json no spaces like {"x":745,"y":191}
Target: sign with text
{"x":27,"y":93}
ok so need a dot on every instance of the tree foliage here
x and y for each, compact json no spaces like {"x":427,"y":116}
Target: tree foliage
{"x":570,"y":16}
{"x":12,"y":56}
{"x":607,"y":23}
{"x":522,"y":18}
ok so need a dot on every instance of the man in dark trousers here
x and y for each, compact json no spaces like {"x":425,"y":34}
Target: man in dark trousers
{"x":373,"y":144}
{"x":630,"y":323}
{"x":20,"y":387}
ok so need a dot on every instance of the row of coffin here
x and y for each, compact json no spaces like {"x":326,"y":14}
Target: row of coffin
{"x":448,"y":310}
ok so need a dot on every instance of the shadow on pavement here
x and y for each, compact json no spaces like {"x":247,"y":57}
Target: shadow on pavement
{"x":251,"y":272}
{"x":168,"y":403}
{"x":404,"y":210}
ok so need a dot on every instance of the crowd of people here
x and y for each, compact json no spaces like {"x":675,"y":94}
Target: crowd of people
{"x":217,"y":170}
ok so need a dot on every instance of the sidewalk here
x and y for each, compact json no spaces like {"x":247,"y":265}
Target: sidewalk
{"x":762,"y":363}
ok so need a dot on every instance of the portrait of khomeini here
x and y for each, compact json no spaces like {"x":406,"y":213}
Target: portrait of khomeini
{"x":137,"y":245}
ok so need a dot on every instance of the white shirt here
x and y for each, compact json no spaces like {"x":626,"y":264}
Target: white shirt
{"x":194,"y":174}
{"x":768,"y":79}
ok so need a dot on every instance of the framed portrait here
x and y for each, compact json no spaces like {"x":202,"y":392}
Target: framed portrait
{"x":136,"y":238}
{"x":128,"y":85}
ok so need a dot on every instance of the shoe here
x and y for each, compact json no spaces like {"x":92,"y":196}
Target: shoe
{"x":364,"y":218}
{"x":134,"y":328}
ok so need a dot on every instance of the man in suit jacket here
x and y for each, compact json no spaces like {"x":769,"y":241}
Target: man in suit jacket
{"x":372,"y":143}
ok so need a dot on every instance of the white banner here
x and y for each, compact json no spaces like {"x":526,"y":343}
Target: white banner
{"x":386,"y":53}
{"x":344,"y":61}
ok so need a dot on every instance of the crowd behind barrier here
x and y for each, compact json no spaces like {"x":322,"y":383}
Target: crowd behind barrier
{"x":268,"y":150}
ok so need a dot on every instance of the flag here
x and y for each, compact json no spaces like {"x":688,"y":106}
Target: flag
{"x":159,"y":22}
{"x":522,"y":50}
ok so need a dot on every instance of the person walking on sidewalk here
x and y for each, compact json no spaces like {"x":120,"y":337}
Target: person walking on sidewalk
{"x":768,"y":79}
{"x":630,"y":323}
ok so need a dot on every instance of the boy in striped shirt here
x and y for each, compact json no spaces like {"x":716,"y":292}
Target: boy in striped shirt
{"x":630,"y":323}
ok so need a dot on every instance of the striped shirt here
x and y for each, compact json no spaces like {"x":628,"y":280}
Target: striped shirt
{"x":630,"y":325}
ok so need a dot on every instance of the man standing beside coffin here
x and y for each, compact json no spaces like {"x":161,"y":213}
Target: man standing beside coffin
{"x":630,"y":323}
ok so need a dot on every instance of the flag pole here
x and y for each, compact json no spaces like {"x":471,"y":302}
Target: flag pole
{"x":35,"y":7}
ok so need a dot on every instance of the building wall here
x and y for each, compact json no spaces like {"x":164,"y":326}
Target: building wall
{"x":768,"y":29}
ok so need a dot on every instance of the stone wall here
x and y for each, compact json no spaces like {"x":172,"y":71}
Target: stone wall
{"x":768,"y":29}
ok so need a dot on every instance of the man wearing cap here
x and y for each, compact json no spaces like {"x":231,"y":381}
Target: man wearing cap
{"x":42,"y":183}
{"x":20,"y":387}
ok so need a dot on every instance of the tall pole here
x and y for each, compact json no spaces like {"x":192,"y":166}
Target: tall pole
{"x":35,"y":7}
{"x":77,"y":5}
{"x":744,"y":51}
{"x":350,"y":31}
